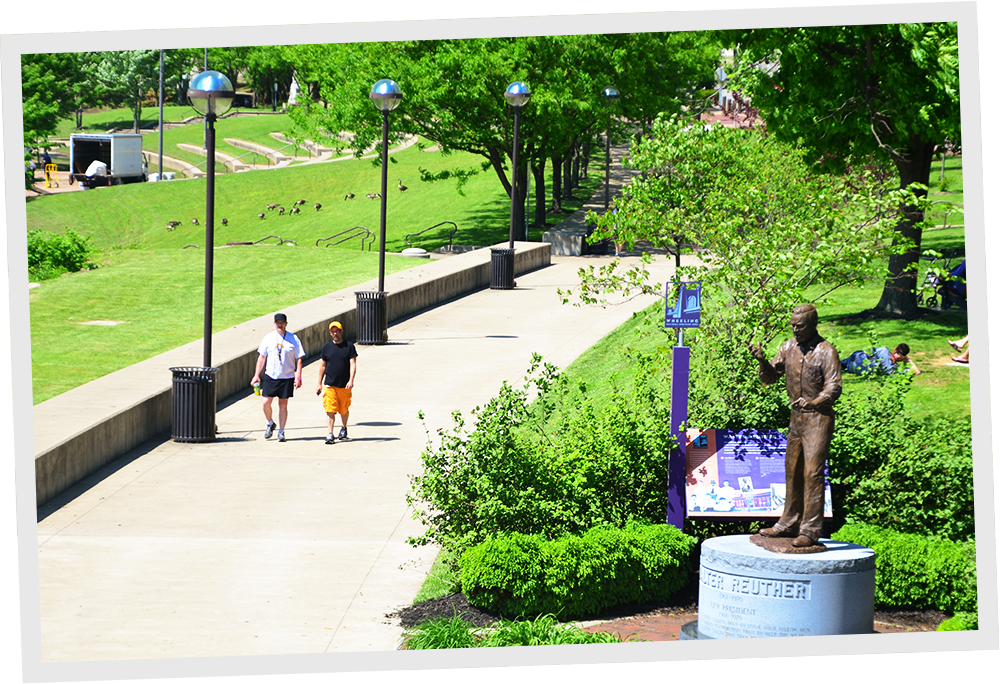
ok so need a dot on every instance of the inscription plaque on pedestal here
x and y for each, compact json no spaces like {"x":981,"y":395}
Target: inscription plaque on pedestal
{"x":747,"y":592}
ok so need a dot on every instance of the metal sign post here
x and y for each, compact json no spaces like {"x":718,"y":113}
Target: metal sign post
{"x":686,"y":313}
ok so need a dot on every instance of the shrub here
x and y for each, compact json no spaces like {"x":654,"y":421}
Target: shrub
{"x":913,"y":571}
{"x":50,"y":255}
{"x":960,"y":622}
{"x":924,"y":485}
{"x":605,"y":464}
{"x":866,"y":430}
{"x":516,"y":574}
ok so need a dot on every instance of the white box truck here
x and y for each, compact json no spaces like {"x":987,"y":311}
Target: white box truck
{"x":97,"y":159}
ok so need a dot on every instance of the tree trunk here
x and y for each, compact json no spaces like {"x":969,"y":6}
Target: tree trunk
{"x":899,"y":296}
{"x":137,"y":113}
{"x":556,"y":184}
{"x":522,"y":187}
{"x":538,"y":172}
{"x":496,"y":157}
{"x":576,"y":167}
{"x":567,"y":173}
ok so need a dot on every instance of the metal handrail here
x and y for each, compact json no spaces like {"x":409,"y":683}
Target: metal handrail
{"x":365,"y":234}
{"x":280,"y":241}
{"x":451,"y":235}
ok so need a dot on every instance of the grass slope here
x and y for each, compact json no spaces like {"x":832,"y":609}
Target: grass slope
{"x":156,"y":288}
{"x":157,"y":299}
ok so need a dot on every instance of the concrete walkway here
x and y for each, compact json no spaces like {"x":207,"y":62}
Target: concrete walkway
{"x":249,"y":547}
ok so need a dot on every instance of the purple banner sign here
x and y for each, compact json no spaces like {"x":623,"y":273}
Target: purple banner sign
{"x":686,"y":310}
{"x":681,"y":362}
{"x":737,"y":473}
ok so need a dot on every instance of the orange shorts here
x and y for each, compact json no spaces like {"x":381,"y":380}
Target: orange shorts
{"x":336,"y":400}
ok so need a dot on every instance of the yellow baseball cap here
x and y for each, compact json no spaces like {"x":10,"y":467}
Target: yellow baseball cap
{"x":335,"y":324}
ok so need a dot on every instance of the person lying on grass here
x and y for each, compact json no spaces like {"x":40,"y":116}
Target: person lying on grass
{"x":880,"y":361}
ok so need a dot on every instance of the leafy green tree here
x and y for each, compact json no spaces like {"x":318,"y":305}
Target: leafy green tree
{"x":46,"y":79}
{"x":851,"y":91}
{"x":767,"y":227}
{"x":453,"y":94}
{"x":129,"y":76}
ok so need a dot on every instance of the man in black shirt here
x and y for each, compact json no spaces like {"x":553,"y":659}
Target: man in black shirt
{"x":338,"y":363}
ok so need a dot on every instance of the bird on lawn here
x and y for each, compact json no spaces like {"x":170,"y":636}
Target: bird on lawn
{"x":318,"y":206}
{"x":225,"y":222}
{"x":402,"y":188}
{"x":281,"y":210}
{"x":294,"y":210}
{"x":195,"y":222}
{"x":373,"y":195}
{"x":298,"y":202}
{"x":260,"y":215}
{"x":348,"y":196}
{"x":172,"y":224}
{"x":272,"y":206}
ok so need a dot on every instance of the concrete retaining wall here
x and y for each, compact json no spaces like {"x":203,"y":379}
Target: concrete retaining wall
{"x":80,"y":431}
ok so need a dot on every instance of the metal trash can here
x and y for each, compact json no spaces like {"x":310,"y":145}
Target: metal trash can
{"x":501,"y":268}
{"x":373,"y":319}
{"x":193,"y":404}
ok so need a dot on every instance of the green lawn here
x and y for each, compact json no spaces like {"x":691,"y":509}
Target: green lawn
{"x":106,"y":120}
{"x":148,"y":281}
{"x":136,"y":215}
{"x":157,"y":299}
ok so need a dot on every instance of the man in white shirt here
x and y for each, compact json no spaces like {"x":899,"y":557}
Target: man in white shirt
{"x":280,"y":358}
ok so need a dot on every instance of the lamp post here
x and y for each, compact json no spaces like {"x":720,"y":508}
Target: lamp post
{"x":609,"y":95}
{"x":372,"y":315}
{"x":502,"y":260}
{"x":193,"y":411}
{"x":210,"y":94}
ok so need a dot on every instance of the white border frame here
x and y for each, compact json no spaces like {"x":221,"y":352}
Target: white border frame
{"x":80,"y":26}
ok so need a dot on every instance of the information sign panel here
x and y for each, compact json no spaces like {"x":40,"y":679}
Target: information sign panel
{"x":737,"y":473}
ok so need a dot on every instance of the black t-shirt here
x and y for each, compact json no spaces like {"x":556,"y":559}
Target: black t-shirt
{"x":338,"y":362}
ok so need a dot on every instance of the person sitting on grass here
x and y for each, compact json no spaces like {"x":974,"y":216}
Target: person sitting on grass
{"x":957,"y":346}
{"x":880,"y":361}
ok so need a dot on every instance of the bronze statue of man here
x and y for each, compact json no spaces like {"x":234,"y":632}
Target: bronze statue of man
{"x":812,"y":379}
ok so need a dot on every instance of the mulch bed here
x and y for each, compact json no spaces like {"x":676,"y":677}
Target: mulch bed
{"x":683,"y":603}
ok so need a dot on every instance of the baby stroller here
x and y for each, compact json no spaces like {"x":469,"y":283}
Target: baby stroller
{"x":934,"y":278}
{"x":953,"y":289}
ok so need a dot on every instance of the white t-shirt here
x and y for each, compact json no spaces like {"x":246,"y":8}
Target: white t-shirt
{"x":281,"y":353}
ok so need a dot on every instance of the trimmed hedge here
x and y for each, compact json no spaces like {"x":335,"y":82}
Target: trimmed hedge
{"x":573,"y":576}
{"x":913,"y":571}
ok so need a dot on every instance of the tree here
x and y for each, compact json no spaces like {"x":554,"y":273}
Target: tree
{"x":768,"y":229}
{"x":130,"y":75}
{"x":46,"y":83}
{"x":769,"y":226}
{"x":851,"y":91}
{"x":453,"y":94}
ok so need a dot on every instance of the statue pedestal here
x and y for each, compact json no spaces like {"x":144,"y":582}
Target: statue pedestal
{"x":747,"y":592}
